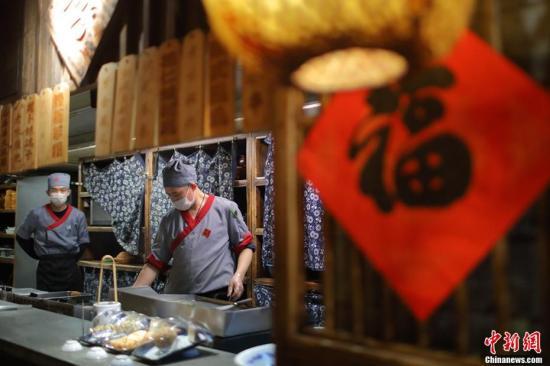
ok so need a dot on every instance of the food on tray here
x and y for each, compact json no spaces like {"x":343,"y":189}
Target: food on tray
{"x":103,"y":328}
{"x":162,"y":332}
{"x":121,"y":323}
{"x":131,"y":341}
{"x":132,"y":323}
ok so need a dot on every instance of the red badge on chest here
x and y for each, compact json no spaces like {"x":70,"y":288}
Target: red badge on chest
{"x":206,"y":233}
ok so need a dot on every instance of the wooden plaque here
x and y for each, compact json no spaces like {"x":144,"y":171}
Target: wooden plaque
{"x":5,"y":138}
{"x":147,"y":99}
{"x":221,"y":90}
{"x":29,"y":133}
{"x":124,"y":117}
{"x":44,"y":126}
{"x":17,"y":130}
{"x":170,"y":52}
{"x":59,"y":147}
{"x":258,"y":105}
{"x":106,"y":81}
{"x":191,"y":86}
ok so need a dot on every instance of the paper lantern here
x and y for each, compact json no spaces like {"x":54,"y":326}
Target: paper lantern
{"x":328,"y":45}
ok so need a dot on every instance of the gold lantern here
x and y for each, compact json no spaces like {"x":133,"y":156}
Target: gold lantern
{"x":328,"y":45}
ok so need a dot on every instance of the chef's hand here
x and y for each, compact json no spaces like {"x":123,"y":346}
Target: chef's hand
{"x":235,"y":287}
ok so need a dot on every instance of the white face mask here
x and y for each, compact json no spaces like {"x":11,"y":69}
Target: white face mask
{"x":58,"y":199}
{"x":184,"y":204}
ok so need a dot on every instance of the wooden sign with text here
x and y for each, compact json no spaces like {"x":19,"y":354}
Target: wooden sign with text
{"x":221,"y":86}
{"x":147,"y":99}
{"x":258,"y":105}
{"x":5,"y":138}
{"x":170,"y":53}
{"x":44,"y":125}
{"x":106,"y":81}
{"x":191,"y":86}
{"x":17,"y":129}
{"x":29,"y":133}
{"x":59,"y":150}
{"x":124,"y":117}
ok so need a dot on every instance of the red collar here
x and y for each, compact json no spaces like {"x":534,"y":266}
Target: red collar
{"x":57,"y":221}
{"x":191,"y":222}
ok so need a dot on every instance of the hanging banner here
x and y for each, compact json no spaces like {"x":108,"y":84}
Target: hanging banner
{"x":76,"y":27}
{"x":428,"y":174}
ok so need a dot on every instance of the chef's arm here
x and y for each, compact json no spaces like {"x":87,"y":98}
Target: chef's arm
{"x":147,"y":275}
{"x":235,"y":287}
{"x":243,"y":262}
{"x":27,"y":245}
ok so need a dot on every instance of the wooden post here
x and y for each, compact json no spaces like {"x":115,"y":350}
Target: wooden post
{"x":289,"y":271}
{"x":251,"y":194}
{"x":149,"y":175}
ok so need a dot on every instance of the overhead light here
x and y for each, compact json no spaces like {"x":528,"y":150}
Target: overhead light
{"x":330,"y":45}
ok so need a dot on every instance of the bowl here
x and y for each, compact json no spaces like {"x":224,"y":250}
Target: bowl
{"x":263,"y":355}
{"x":103,"y":306}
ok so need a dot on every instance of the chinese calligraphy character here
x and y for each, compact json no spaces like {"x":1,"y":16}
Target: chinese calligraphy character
{"x":435,"y":171}
{"x":511,"y":342}
{"x":531,"y":342}
{"x":492,"y":341}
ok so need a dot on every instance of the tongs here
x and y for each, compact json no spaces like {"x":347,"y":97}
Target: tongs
{"x":225,"y":305}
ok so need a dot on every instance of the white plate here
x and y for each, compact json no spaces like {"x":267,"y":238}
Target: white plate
{"x":263,"y":355}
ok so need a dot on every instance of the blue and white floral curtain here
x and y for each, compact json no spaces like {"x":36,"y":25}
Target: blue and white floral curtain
{"x":118,"y":189}
{"x":313,"y":219}
{"x":267,"y":253}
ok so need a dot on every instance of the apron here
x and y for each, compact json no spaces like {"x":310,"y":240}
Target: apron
{"x":58,"y":272}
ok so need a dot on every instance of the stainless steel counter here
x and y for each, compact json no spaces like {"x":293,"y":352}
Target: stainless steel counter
{"x":33,"y":336}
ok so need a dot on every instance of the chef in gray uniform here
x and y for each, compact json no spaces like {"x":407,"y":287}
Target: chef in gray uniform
{"x":56,"y":234}
{"x":204,"y":235}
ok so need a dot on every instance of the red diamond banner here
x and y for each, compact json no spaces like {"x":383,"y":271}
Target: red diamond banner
{"x":428,"y":174}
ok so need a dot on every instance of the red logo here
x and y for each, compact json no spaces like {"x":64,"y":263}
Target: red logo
{"x":206,"y":233}
{"x":531,"y":342}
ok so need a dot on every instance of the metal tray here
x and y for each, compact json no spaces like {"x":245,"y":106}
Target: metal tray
{"x":150,"y":352}
{"x":222,"y":323}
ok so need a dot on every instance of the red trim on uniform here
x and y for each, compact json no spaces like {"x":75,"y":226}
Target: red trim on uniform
{"x":204,"y":210}
{"x":243,"y":244}
{"x":157,"y":263}
{"x":58,"y":220}
{"x":191,"y":222}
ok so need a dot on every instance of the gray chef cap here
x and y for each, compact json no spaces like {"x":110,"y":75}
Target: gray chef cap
{"x":177,"y":174}
{"x":59,"y":180}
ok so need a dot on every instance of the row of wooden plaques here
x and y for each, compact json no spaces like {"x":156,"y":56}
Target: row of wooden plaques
{"x":182,"y":90}
{"x":34,"y":131}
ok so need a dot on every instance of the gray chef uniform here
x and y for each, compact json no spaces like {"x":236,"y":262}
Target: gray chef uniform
{"x":57,"y":242}
{"x":203,"y":249}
